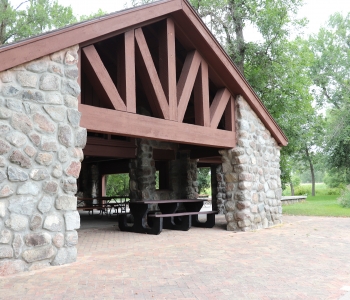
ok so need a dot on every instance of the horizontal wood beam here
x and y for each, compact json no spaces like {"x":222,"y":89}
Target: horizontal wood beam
{"x":122,"y":123}
{"x":109,"y":151}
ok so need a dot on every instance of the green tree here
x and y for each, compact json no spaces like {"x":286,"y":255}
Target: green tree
{"x":204,"y":179}
{"x":32,"y":17}
{"x":117,"y":185}
{"x":331,"y":76}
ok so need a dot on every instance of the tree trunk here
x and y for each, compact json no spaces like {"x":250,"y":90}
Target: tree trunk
{"x":313,"y":193}
{"x":238,"y":24}
{"x":291,"y":188}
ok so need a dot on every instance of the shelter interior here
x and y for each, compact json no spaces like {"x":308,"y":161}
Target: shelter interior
{"x":106,"y":75}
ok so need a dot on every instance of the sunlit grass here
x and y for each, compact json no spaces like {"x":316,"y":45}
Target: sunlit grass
{"x":320,"y":205}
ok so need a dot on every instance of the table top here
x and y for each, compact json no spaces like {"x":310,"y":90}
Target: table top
{"x":168,"y":201}
{"x":100,"y":198}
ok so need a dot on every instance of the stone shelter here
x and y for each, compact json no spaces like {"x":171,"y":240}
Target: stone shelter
{"x":139,"y":91}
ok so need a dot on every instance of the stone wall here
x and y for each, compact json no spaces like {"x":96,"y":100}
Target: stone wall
{"x":41,"y":152}
{"x":252,"y":175}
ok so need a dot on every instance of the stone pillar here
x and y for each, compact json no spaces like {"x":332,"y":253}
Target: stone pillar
{"x":41,"y":152}
{"x":192,"y":183}
{"x":252,"y":174}
{"x":143,"y":173}
{"x":219,"y":188}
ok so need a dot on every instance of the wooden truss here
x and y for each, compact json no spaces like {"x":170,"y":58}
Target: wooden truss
{"x":168,"y":97}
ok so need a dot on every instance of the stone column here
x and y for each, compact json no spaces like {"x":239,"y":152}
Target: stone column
{"x":41,"y":152}
{"x":142,"y":173}
{"x":252,"y":174}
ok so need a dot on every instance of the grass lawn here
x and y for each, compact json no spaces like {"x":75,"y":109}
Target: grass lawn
{"x":320,"y":205}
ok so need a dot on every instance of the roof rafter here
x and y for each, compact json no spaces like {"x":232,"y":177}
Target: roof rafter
{"x":101,"y":80}
{"x":150,"y":78}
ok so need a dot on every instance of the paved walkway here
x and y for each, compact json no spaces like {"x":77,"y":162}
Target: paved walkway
{"x":305,"y":258}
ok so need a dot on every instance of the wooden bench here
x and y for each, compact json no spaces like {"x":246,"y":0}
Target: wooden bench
{"x":151,"y":222}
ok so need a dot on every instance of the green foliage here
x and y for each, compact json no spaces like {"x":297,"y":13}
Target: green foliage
{"x":97,"y":14}
{"x":296,"y":180}
{"x":337,"y":178}
{"x":117,"y":185}
{"x":37,"y":17}
{"x":204,"y":179}
{"x":344,"y":199}
{"x":317,"y":206}
{"x":330,"y":72}
{"x":321,"y":190}
{"x":302,"y":190}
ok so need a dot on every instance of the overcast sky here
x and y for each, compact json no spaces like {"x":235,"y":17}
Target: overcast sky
{"x":316,"y":11}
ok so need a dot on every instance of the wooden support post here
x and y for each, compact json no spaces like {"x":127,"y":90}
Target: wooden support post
{"x":186,"y":82}
{"x":167,"y":65}
{"x":230,"y":115}
{"x":150,"y":78}
{"x":101,"y":80}
{"x":201,"y":96}
{"x":126,"y":71}
{"x":218,"y":106}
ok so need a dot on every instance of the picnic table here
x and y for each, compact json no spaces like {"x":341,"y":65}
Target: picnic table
{"x":105,"y":204}
{"x":168,"y":216}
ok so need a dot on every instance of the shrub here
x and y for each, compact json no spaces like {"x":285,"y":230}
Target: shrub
{"x":344,"y":199}
{"x":302,"y":190}
{"x":333,"y":191}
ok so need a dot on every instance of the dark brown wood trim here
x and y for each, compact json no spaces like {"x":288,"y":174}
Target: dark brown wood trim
{"x":167,"y":65}
{"x":218,"y":107}
{"x":150,"y":78}
{"x":126,"y":71}
{"x":109,"y":151}
{"x":106,"y":86}
{"x":230,"y":115}
{"x":122,"y":123}
{"x":186,"y":82}
{"x":201,"y":96}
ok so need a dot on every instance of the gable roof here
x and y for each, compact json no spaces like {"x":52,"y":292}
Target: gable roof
{"x":189,"y":27}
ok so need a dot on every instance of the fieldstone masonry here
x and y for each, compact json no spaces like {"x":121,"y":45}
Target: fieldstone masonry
{"x":41,"y":152}
{"x":182,"y":173}
{"x":252,"y":175}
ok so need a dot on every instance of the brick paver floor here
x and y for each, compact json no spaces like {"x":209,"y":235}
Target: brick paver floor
{"x":305,"y":258}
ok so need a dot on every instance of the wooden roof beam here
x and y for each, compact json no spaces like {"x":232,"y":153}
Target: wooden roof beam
{"x":150,"y":78}
{"x":201,"y":96}
{"x":186,"y":82}
{"x":126,"y":71}
{"x":104,"y":120}
{"x":167,"y":65}
{"x":218,"y":106}
{"x":101,"y":80}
